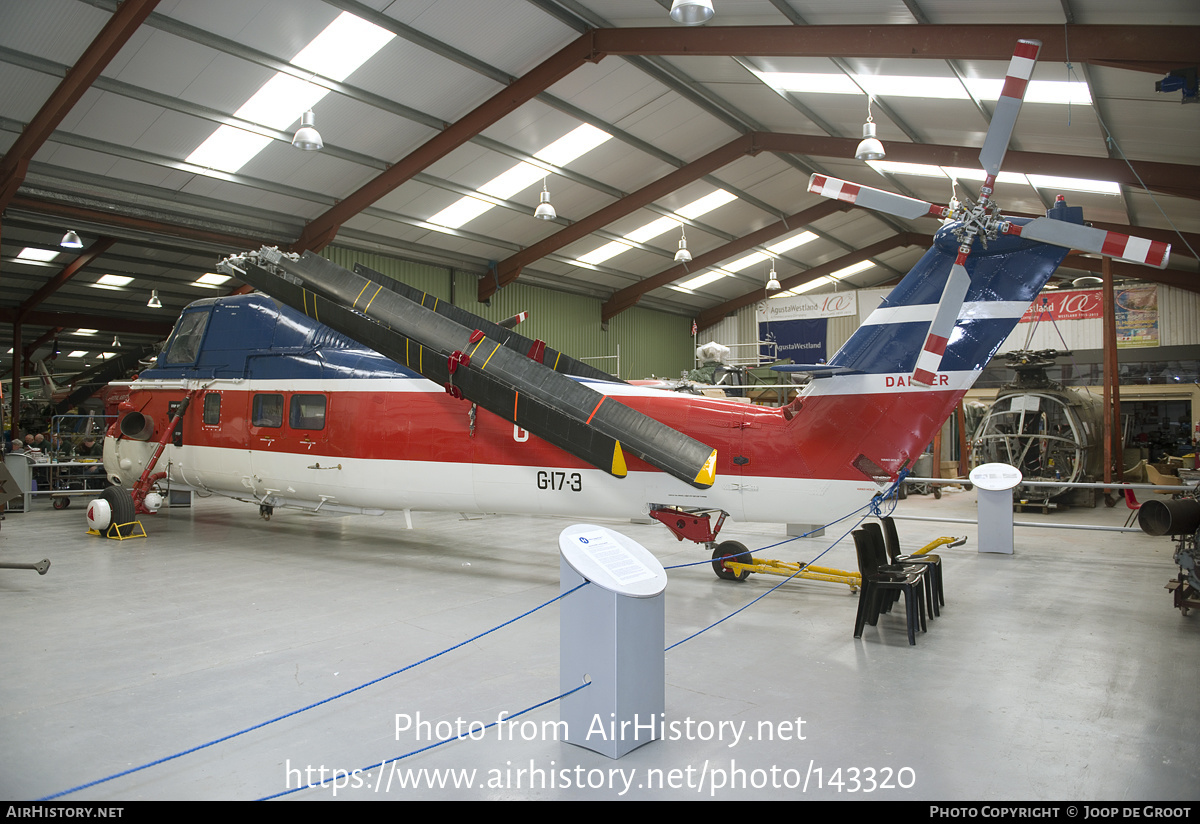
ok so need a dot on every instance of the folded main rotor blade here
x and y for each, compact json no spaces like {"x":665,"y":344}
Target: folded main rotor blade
{"x":944,"y":319}
{"x":1004,"y":118}
{"x":876,"y":199}
{"x":485,"y":372}
{"x":1097,"y":241}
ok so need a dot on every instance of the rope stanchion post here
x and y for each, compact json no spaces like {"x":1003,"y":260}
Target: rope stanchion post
{"x":611,"y":635}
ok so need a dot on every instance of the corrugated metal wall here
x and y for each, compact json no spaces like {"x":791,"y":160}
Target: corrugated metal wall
{"x":650,"y":342}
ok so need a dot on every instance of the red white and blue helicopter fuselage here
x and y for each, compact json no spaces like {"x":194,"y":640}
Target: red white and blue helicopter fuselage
{"x":370,"y":435}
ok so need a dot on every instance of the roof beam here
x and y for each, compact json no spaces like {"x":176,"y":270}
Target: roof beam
{"x":714,"y":315}
{"x":318,"y":234}
{"x":120,"y":27}
{"x":102,"y":323}
{"x":1144,"y":48}
{"x":628,"y":297}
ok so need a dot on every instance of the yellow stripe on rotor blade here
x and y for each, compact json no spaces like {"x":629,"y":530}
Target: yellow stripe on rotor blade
{"x":707,"y":475}
{"x":618,"y":461}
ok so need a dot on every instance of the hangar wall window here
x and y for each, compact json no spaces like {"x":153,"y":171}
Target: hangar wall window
{"x":188,"y":334}
{"x":307,"y":412}
{"x":268,"y":410}
{"x":212,"y":408}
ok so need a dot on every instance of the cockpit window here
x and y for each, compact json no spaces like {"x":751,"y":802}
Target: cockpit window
{"x":185,"y":348}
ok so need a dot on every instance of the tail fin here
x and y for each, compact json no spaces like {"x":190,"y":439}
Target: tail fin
{"x":868,"y":417}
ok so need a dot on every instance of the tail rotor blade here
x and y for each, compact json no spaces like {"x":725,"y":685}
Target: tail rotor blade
{"x":944,"y":319}
{"x":1004,"y":119}
{"x":1097,"y":241}
{"x":876,"y":199}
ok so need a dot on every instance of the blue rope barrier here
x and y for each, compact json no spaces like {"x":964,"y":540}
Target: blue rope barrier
{"x":386,"y":761}
{"x":309,"y":707}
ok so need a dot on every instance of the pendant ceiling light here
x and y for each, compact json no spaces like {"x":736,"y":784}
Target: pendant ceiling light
{"x":772,"y":279}
{"x":544,"y":210}
{"x":71,"y":240}
{"x":683,"y":255}
{"x":691,"y":12}
{"x":869,"y":148}
{"x":307,"y":137}
{"x":154,"y":302}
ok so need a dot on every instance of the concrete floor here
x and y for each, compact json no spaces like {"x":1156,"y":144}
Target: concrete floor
{"x":1060,"y":673}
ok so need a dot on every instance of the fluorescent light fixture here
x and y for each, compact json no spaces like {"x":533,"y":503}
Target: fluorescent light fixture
{"x":112,"y":281}
{"x":657,"y":227}
{"x":85,"y":331}
{"x":569,"y":147}
{"x":211,"y":280}
{"x":42,"y":255}
{"x":78,"y":353}
{"x":342,"y":47}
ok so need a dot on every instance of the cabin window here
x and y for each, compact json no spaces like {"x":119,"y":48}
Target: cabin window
{"x":307,"y":412}
{"x":268,"y":410}
{"x":185,"y":348}
{"x":212,"y":408}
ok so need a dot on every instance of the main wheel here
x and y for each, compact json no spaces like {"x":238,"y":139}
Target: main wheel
{"x":62,"y":502}
{"x":120,"y":502}
{"x":740,"y":555}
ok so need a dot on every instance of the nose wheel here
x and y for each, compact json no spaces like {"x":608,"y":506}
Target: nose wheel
{"x":265,"y":511}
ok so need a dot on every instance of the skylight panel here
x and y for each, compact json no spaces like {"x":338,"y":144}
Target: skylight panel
{"x":897,"y":168}
{"x":804,"y":287}
{"x":853,"y":269}
{"x":1037,"y":91}
{"x":210,"y":280}
{"x":572,"y":145}
{"x":78,"y":353}
{"x":809,"y":82}
{"x":792,"y":242}
{"x":748,"y":260}
{"x":342,"y":47}
{"x":706,"y":204}
{"x":85,"y":331}
{"x":703,"y":280}
{"x":605,"y":252}
{"x":885,"y":85}
{"x":113,"y":281}
{"x":945,"y":88}
{"x":42,"y":255}
{"x":655,"y":228}
{"x":1075,"y":184}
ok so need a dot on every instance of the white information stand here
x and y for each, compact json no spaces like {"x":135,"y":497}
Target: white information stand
{"x":611,"y":634}
{"x":994,"y":482}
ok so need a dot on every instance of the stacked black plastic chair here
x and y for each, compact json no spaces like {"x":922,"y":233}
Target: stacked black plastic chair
{"x":880,"y":583}
{"x":891,"y":540}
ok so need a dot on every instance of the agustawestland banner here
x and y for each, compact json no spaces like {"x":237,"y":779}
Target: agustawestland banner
{"x":1136,"y":311}
{"x":1071,"y":305}
{"x":797,"y":325}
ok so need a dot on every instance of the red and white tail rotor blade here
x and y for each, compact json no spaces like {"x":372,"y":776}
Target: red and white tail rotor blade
{"x":948,"y":309}
{"x":1097,"y":241}
{"x":1004,"y":118}
{"x":876,"y":199}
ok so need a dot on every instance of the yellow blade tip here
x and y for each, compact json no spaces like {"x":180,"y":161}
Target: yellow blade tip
{"x":707,"y":475}
{"x":618,"y":461}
